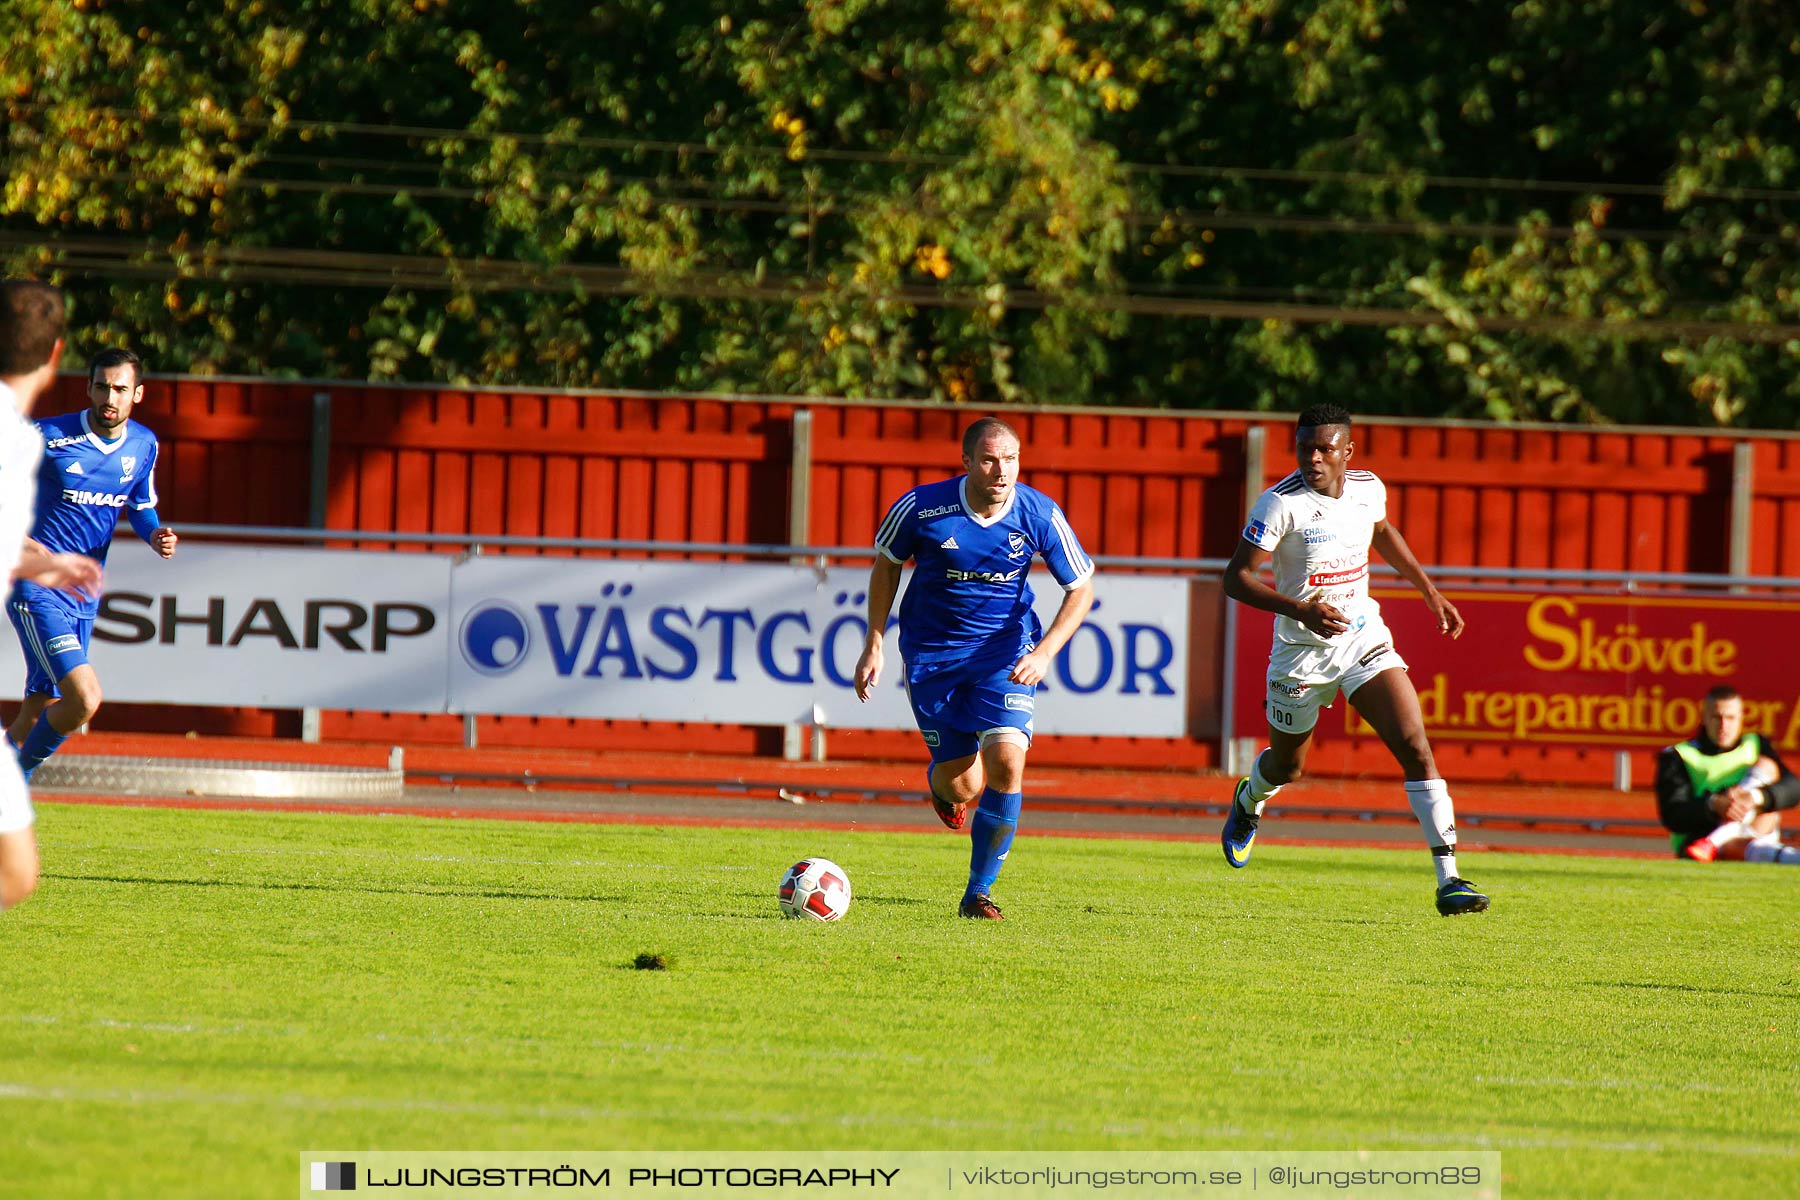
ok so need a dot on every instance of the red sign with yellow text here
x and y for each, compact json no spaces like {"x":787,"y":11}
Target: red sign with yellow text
{"x":1568,"y":667}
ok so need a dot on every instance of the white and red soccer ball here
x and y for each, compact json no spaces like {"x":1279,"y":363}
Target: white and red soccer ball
{"x":814,"y":888}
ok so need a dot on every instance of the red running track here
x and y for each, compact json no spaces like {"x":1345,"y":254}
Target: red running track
{"x":643,"y":787}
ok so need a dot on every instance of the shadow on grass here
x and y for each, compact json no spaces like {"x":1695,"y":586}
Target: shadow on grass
{"x":336,"y":887}
{"x":877,"y":901}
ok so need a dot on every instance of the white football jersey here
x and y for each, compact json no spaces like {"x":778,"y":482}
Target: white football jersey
{"x":21,"y":448}
{"x":1320,"y":547}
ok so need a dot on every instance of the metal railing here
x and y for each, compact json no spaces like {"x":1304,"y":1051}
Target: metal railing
{"x":1628,"y":580}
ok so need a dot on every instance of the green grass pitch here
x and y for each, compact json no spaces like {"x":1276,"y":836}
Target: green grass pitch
{"x":194,"y":998}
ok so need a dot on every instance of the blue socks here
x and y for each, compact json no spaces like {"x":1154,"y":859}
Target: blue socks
{"x":990,"y":837}
{"x":39,"y":744}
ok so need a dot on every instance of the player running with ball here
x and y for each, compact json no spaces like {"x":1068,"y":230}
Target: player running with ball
{"x":1317,"y":525}
{"x":974,"y":650}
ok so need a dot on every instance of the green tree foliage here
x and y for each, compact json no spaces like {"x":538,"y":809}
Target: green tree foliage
{"x":1569,"y":210}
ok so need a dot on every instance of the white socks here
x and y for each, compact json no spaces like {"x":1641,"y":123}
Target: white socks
{"x":1730,"y":831}
{"x":1764,"y":772}
{"x":1430,"y":802}
{"x":1760,"y":847}
{"x":1260,"y":788}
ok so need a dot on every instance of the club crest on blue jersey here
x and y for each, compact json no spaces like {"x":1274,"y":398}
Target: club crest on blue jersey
{"x":982,"y":607}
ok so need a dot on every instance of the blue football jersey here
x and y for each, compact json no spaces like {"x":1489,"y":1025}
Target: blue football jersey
{"x":84,"y":484}
{"x":968,"y":599}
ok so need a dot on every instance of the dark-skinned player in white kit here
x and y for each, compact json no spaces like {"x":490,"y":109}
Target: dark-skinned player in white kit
{"x":1316,"y":526}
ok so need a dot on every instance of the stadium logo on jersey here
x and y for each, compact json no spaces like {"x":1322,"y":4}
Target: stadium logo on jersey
{"x":1019,"y":702}
{"x":941,"y":510}
{"x":495,"y":638}
{"x":104,"y":499}
{"x":955,"y":576}
{"x":1015,"y":545}
{"x":949,"y":543}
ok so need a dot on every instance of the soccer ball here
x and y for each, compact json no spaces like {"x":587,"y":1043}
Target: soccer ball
{"x":814,"y":888}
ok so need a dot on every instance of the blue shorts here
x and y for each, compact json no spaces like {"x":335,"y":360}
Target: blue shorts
{"x":54,"y":639}
{"x":954,"y":707}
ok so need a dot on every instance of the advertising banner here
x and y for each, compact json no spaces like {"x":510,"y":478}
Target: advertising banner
{"x":1571,"y":668}
{"x":771,"y":645}
{"x":270,"y":628}
{"x":550,"y":636}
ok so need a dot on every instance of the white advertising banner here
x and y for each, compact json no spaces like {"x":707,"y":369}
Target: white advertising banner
{"x":267,"y":628}
{"x":729,"y":642}
{"x":771,"y":645}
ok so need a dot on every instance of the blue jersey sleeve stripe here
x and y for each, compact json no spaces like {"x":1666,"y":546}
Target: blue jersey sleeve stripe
{"x":1078,"y":559}
{"x":150,"y":476}
{"x":890,"y":528}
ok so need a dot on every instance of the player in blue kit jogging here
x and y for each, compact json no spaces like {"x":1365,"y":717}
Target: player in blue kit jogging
{"x":97,"y":464}
{"x":973,"y":649}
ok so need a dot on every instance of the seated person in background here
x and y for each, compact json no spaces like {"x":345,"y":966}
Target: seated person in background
{"x":1720,"y":793}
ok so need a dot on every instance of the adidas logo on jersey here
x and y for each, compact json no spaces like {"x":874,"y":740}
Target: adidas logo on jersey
{"x":949,"y":543}
{"x":75,"y":469}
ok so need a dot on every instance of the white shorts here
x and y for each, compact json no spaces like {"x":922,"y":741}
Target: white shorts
{"x":1305,"y":678}
{"x":15,"y":797}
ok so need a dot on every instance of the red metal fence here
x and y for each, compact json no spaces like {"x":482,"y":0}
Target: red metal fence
{"x":1133,"y":483}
